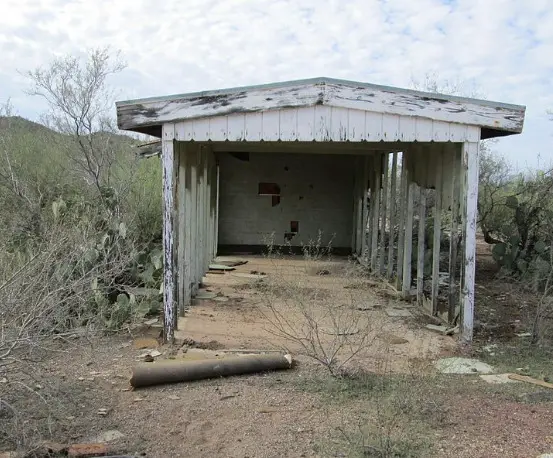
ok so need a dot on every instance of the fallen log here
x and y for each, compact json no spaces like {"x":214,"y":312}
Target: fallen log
{"x":187,"y":371}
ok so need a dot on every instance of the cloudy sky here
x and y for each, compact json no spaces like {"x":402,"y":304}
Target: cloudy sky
{"x":502,"y":49}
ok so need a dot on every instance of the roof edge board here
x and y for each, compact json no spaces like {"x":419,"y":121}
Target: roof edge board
{"x":496,"y":116}
{"x":318,"y":81}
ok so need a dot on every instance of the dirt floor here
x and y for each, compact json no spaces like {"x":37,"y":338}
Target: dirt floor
{"x":407,"y":410}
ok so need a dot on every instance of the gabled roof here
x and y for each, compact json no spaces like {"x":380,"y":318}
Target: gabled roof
{"x":149,"y":114}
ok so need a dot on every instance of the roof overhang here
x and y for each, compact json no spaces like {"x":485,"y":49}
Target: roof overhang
{"x":148,"y":115}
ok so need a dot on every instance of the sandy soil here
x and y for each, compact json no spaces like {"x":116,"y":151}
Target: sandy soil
{"x":272,"y":415}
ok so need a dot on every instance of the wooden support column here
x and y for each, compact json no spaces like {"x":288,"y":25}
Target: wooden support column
{"x":376,"y":210}
{"x":454,"y":231}
{"x":194,"y":155}
{"x":207,"y":234}
{"x":392,"y":238}
{"x":470,"y":181}
{"x":403,"y":192}
{"x":182,"y":213}
{"x":217,"y":198}
{"x":437,"y":239}
{"x":408,"y":236}
{"x":383,"y":255}
{"x":421,"y":245}
{"x":356,"y":233}
{"x":199,"y":222}
{"x":366,"y":208}
{"x":169,"y":287}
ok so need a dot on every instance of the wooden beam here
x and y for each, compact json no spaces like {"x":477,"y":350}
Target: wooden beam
{"x":217,"y":198}
{"x":470,"y":166}
{"x":383,"y":255}
{"x":421,"y":245}
{"x":356,"y":233}
{"x":367,"y":209}
{"x":181,"y":212}
{"x":408,"y":239}
{"x":376,"y":210}
{"x":194,"y":218}
{"x":169,"y":296}
{"x":437,"y":239}
{"x":454,"y":231}
{"x":404,"y":190}
{"x":393,"y":196}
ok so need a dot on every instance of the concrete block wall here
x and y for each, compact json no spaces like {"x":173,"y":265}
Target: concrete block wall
{"x":316,"y":191}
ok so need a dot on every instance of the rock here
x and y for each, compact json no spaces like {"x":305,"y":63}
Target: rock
{"x":109,"y":436}
{"x":546,"y":455}
{"x":87,"y":450}
{"x":458,"y":365}
{"x":440,"y":329}
{"x":392,"y":312}
{"x":496,"y":379}
{"x":536,"y":397}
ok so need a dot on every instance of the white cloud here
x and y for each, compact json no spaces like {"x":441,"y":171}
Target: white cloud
{"x":502,"y":47}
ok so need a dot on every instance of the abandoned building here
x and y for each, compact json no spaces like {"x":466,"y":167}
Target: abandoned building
{"x":384,"y":174}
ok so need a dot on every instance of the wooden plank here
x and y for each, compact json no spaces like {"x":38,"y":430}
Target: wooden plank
{"x":253,"y":127}
{"x":306,"y":124}
{"x":289,"y":124}
{"x":236,"y":127}
{"x":200,"y":129}
{"x":339,"y":124}
{"x":376,"y":213}
{"x":457,"y":132}
{"x":407,"y":128}
{"x":373,"y":126}
{"x":454,"y":238}
{"x":424,"y":131}
{"x":350,"y":95}
{"x":393,"y":197}
{"x":357,"y":207}
{"x":402,"y":220}
{"x":356,"y":125}
{"x":323,"y":123}
{"x":408,"y":240}
{"x":421,"y":245}
{"x":441,"y":131}
{"x":437,"y":239}
{"x":368,"y":184}
{"x":390,"y":127}
{"x":218,"y":128}
{"x":168,"y":161}
{"x":181,"y":211}
{"x":365,"y":205}
{"x":271,"y":125}
{"x":383,"y":255}
{"x":189,"y":207}
{"x":201,"y":213}
{"x":532,"y":380}
{"x":206,"y":258}
{"x":194,"y":155}
{"x":217,"y":214}
{"x":470,"y":165}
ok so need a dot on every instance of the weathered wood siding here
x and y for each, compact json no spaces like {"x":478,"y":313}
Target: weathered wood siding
{"x":321,"y":124}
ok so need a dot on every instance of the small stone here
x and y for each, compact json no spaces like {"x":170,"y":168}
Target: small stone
{"x":174,"y":397}
{"x":109,"y":436}
{"x":103,"y":411}
{"x":457,"y":365}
